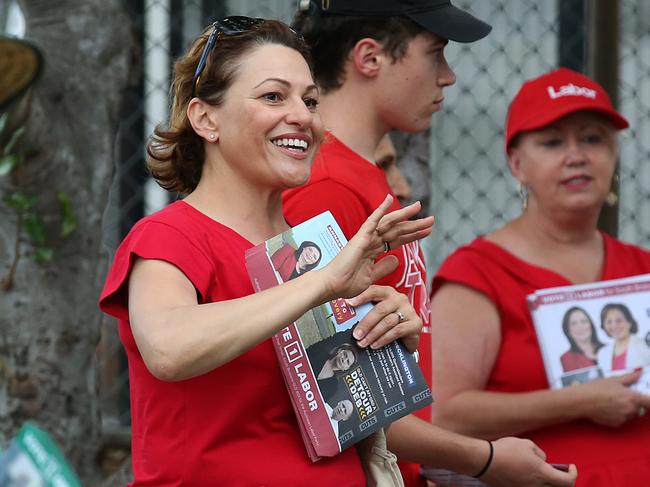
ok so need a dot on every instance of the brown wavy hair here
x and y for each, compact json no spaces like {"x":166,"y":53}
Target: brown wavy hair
{"x":175,"y":153}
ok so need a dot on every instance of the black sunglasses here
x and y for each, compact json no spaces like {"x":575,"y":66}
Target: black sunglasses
{"x":227,"y":26}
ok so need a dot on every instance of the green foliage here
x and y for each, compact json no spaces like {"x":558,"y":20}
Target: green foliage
{"x":15,"y":137}
{"x":68,"y":218}
{"x":28,"y":220}
{"x":43,"y":254}
{"x":7,"y":163}
{"x":33,"y":225}
{"x":20,"y":201}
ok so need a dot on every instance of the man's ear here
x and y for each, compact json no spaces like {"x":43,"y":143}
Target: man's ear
{"x":366,"y":56}
{"x":204,"y":120}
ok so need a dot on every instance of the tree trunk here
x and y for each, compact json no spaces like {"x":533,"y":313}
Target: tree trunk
{"x":49,"y":321}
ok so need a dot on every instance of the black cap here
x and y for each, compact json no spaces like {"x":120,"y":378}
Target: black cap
{"x":437,"y":16}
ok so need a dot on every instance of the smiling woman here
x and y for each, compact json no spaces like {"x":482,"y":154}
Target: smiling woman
{"x":290,"y":262}
{"x":627,"y":351}
{"x":205,"y":383}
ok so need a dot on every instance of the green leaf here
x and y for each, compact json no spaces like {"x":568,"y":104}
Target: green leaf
{"x":68,"y":218}
{"x":7,"y":163}
{"x":35,"y":228}
{"x":20,"y":201}
{"x":43,"y":254}
{"x":18,"y":133}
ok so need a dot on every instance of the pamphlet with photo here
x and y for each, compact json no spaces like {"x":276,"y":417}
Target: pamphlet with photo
{"x":341,"y":393}
{"x":594,"y":330}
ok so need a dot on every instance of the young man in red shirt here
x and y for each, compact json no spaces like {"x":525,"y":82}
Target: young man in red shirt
{"x":380,"y":65}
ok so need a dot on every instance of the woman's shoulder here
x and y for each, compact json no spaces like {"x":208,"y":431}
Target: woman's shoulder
{"x":623,"y":247}
{"x":171,"y":216}
{"x":480,"y":254}
{"x":624,"y":259}
{"x":639,"y":341}
{"x":479,"y":265}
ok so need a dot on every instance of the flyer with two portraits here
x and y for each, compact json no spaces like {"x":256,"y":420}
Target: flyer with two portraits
{"x":340,"y":393}
{"x":594,"y":330}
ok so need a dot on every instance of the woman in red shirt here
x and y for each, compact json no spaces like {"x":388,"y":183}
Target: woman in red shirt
{"x":489,"y":378}
{"x":209,"y":405}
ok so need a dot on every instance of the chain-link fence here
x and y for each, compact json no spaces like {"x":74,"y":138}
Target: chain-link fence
{"x":471,"y":189}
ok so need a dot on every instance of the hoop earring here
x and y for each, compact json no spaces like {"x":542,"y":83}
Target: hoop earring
{"x":523,"y":195}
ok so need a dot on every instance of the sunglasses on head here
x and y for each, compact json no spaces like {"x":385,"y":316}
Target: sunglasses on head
{"x":227,"y":26}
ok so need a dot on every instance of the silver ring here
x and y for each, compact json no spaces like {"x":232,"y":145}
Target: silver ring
{"x":642,"y":411}
{"x":386,"y":246}
{"x":400,"y":316}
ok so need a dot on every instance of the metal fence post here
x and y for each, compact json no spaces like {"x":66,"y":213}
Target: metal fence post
{"x":602,"y":65}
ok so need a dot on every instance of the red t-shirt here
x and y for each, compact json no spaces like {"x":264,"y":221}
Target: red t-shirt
{"x":605,"y":457}
{"x":572,"y":360}
{"x":351,"y":188}
{"x":232,"y":426}
{"x":618,"y":361}
{"x":284,"y":261}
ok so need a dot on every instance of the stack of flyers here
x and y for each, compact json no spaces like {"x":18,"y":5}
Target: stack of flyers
{"x":340,"y":393}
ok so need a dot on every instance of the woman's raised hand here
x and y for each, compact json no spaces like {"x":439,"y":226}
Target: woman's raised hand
{"x":354,"y":269}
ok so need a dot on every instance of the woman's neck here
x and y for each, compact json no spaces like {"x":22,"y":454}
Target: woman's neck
{"x":572,"y":248}
{"x":587,"y":347}
{"x":253,"y":212}
{"x":552,"y":227}
{"x":620,"y":346}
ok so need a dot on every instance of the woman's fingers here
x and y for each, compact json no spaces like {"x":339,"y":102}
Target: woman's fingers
{"x":389,"y":220}
{"x":355,"y":268}
{"x":399,"y":232}
{"x":373,"y":221}
{"x":556,"y":477}
{"x":386,"y":231}
{"x":613,"y":401}
{"x":407,"y":231}
{"x":396,"y":227}
{"x":630,"y":378}
{"x":391,"y":318}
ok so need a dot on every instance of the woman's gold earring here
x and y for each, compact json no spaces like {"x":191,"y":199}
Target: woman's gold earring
{"x":523,"y":194}
{"x":612,"y":198}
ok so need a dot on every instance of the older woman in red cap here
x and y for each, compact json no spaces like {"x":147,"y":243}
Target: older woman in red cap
{"x":489,"y":380}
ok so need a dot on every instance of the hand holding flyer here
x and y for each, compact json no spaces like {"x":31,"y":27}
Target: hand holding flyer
{"x":340,"y":392}
{"x":378,"y":327}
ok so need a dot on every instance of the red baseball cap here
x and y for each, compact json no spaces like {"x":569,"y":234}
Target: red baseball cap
{"x":543,"y":100}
